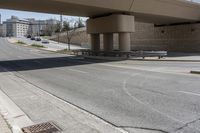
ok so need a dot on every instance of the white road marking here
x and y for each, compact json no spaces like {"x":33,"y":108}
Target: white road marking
{"x":125,"y":89}
{"x":79,"y":71}
{"x":147,"y":105}
{"x":149,"y":70}
{"x":189,"y":93}
{"x":19,"y":56}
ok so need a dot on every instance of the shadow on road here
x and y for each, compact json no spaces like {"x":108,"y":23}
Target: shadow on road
{"x":44,"y":63}
{"x":179,"y":54}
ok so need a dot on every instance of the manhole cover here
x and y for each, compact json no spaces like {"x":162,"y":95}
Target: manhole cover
{"x":48,"y":127}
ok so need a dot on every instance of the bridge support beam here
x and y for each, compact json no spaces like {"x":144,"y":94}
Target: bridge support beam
{"x":108,"y":25}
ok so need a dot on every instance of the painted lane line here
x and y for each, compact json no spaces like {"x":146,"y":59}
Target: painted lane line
{"x":79,"y":71}
{"x":148,"y":70}
{"x":148,"y":105}
{"x":19,"y":57}
{"x":189,"y":93}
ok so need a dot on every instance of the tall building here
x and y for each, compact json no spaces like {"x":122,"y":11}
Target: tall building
{"x":16,"y":27}
{"x":4,"y":30}
{"x":21,"y":27}
{"x":1,"y":30}
{"x":42,"y":27}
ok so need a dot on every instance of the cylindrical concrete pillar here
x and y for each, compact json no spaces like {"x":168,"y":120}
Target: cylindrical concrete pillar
{"x":95,"y":42}
{"x":108,"y":42}
{"x":124,"y":42}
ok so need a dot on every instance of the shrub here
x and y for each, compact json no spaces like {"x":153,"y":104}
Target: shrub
{"x":20,"y":42}
{"x":37,"y":45}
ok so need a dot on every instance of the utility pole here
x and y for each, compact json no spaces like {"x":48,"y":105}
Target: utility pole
{"x":0,"y":18}
{"x":61,"y":27}
{"x":39,"y":28}
{"x":61,"y":22}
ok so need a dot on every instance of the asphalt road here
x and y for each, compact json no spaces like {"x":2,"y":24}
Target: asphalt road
{"x":160,"y":97}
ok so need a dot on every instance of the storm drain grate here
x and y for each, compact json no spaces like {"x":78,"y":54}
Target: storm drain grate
{"x":48,"y":127}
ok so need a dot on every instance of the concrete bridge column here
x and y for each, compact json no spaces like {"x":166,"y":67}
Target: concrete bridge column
{"x":124,"y":42}
{"x":107,"y":25}
{"x":95,"y":42}
{"x":108,"y":42}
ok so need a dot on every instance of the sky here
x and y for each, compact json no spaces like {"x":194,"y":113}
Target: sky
{"x":196,"y":0}
{"x":5,"y":14}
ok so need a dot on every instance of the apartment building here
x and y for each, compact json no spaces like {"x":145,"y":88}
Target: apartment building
{"x":42,"y":27}
{"x":16,"y":27}
{"x":1,"y":30}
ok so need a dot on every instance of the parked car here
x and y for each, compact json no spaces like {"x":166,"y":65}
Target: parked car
{"x":45,"y":41}
{"x":38,"y":39}
{"x":32,"y":38}
{"x":28,"y":36}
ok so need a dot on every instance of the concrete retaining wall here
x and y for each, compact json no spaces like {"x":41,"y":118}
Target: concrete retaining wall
{"x":181,"y":38}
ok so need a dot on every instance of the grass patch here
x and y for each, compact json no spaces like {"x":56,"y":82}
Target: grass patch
{"x":46,"y":37}
{"x":20,"y":42}
{"x":64,"y":51}
{"x":37,"y":46}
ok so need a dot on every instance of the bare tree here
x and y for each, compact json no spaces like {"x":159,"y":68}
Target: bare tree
{"x":80,"y":23}
{"x":50,"y":29}
{"x":70,"y":27}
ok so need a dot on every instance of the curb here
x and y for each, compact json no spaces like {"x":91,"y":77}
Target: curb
{"x":123,"y":58}
{"x":105,"y":58}
{"x":166,"y":60}
{"x":14,"y":116}
{"x":4,"y":126}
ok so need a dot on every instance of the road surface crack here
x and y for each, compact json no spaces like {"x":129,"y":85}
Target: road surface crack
{"x":144,"y":128}
{"x":187,"y":125}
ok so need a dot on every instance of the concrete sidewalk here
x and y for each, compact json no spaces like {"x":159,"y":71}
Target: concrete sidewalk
{"x":4,"y":127}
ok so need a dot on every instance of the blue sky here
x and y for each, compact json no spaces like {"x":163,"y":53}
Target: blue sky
{"x":196,"y":0}
{"x":23,"y":14}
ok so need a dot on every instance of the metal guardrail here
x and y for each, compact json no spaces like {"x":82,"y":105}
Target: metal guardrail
{"x":101,"y":53}
{"x":143,"y":54}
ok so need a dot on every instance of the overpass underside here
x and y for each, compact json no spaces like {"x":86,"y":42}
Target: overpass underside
{"x":113,"y":16}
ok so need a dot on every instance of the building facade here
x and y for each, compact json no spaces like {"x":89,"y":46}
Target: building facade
{"x":16,"y":27}
{"x":1,"y":30}
{"x":42,"y":27}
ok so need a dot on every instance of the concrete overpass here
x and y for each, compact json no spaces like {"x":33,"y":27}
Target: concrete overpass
{"x":113,"y":16}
